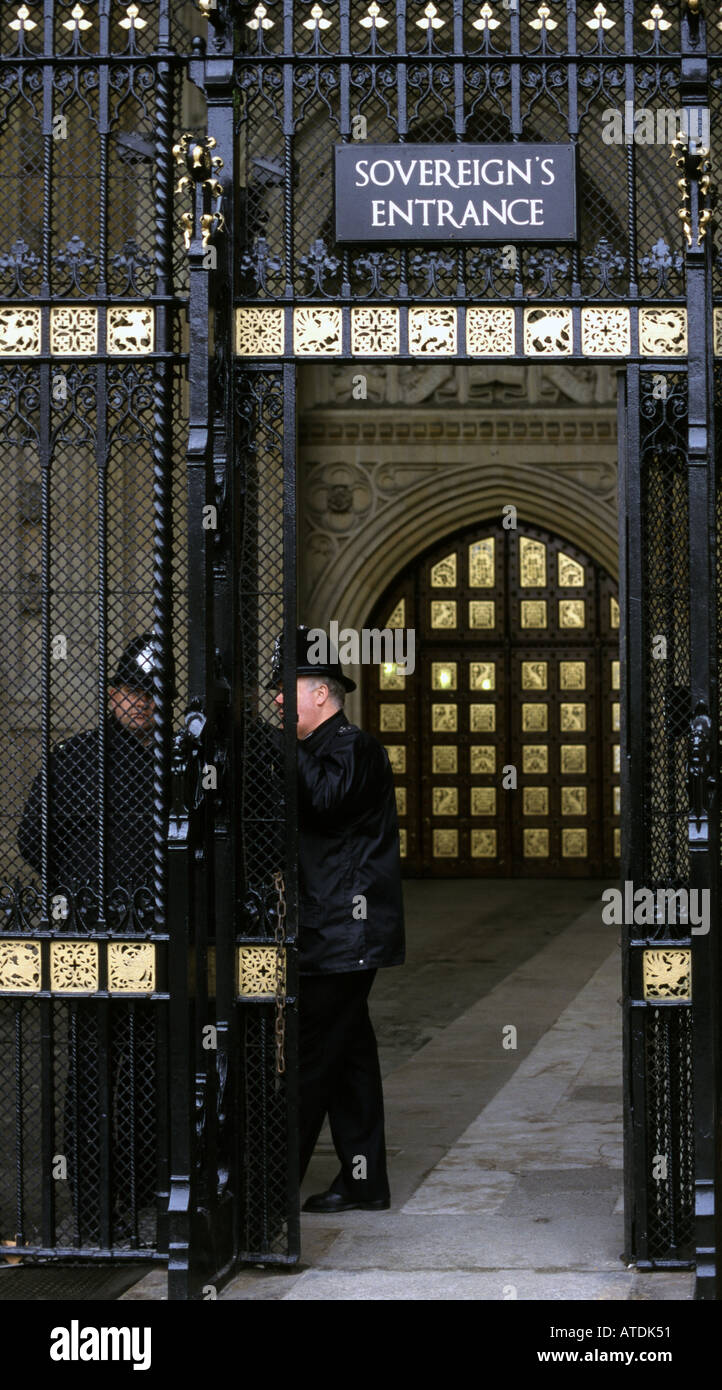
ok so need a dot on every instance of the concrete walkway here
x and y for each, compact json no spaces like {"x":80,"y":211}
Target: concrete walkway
{"x":501,"y":1051}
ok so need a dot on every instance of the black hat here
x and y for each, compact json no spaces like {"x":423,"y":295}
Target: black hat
{"x":314,"y":657}
{"x":138,"y":664}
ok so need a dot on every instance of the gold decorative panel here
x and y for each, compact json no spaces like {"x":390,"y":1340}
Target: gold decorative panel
{"x":19,"y":966}
{"x":443,"y":675}
{"x":445,"y":758}
{"x":131,"y":329}
{"x":534,"y":675}
{"x":398,"y":617}
{"x":548,"y":331}
{"x":481,"y":564}
{"x":131,"y":967}
{"x":534,"y":718}
{"x":617,"y":842}
{"x":667,"y":974}
{"x":482,"y":758}
{"x":445,"y":801}
{"x":482,"y":675}
{"x":397,"y":756}
{"x":532,"y":563}
{"x":535,"y":757}
{"x":570,"y":573}
{"x":260,"y":332}
{"x":490,"y":332}
{"x":73,"y":331}
{"x":403,"y":842}
{"x":74,"y":966}
{"x":443,"y":573}
{"x":572,"y":612}
{"x":615,"y":675}
{"x":257,"y":967}
{"x":317,"y":332}
{"x":615,"y":716}
{"x":572,"y":719}
{"x":483,"y":801}
{"x":446,"y":844}
{"x":534,"y":612}
{"x":482,"y":718}
{"x":574,"y":843}
{"x":663,"y":332}
{"x":401,"y":800}
{"x":717,"y":332}
{"x":613,"y":612}
{"x":392,"y":718}
{"x":536,"y":844}
{"x":375,"y":331}
{"x":443,"y":613}
{"x":616,"y":758}
{"x":536,"y":801}
{"x":483,"y":844}
{"x":574,"y":801}
{"x":572,"y":675}
{"x":573,"y":758}
{"x":444,"y":719}
{"x":616,"y":801}
{"x":432,"y":331}
{"x":19,"y":331}
{"x":606,"y":332}
{"x":390,"y":677}
{"x":482,"y":613}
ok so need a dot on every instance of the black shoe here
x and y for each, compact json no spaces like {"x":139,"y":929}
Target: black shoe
{"x":334,"y":1201}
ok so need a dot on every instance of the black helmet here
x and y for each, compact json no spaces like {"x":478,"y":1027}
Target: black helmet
{"x":307,"y":663}
{"x":138,"y":664}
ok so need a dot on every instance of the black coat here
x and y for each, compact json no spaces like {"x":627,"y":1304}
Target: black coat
{"x":74,"y":819}
{"x":350,"y":901}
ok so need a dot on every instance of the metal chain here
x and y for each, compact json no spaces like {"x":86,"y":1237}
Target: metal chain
{"x":280,"y":938}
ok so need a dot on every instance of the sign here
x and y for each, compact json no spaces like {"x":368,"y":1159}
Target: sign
{"x":494,"y":193}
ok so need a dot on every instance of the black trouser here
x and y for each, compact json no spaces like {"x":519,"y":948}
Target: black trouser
{"x":340,"y":1077}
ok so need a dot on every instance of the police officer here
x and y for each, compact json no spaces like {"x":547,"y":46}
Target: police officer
{"x":350,"y":924}
{"x":73,"y":883}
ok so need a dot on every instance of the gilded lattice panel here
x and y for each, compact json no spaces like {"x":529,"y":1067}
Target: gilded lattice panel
{"x":667,"y":974}
{"x":259,"y":332}
{"x":606,"y":332}
{"x":74,"y":966}
{"x":375,"y":331}
{"x":257,"y":967}
{"x":432,"y":331}
{"x":718,"y":332}
{"x":73,"y":331}
{"x":131,"y":967}
{"x":131,"y":329}
{"x":19,"y":331}
{"x":490,"y":331}
{"x":19,"y":966}
{"x":548,"y":331}
{"x":663,"y":332}
{"x":317,"y":332}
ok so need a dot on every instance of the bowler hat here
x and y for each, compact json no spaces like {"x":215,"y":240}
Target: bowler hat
{"x":314,"y":657}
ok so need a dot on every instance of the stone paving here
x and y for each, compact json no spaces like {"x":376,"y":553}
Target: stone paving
{"x":505,"y":1162}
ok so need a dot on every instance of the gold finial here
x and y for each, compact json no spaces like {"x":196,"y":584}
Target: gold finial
{"x":373,"y":19}
{"x":76,"y":20}
{"x":317,"y":20}
{"x":431,"y":19}
{"x":132,"y":20}
{"x":601,"y":20}
{"x":543,"y":21}
{"x":656,"y":21}
{"x":23,"y":21}
{"x":485,"y":20}
{"x":260,"y":19}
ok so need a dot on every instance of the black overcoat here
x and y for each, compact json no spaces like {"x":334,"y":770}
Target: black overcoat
{"x":350,"y":900}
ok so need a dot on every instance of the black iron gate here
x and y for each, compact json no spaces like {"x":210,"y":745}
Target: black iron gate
{"x":147,"y":358}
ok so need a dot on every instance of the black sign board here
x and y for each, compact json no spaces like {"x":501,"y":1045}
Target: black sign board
{"x":495,"y":193}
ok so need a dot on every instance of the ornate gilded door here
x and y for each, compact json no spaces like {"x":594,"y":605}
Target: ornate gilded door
{"x":505,"y":740}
